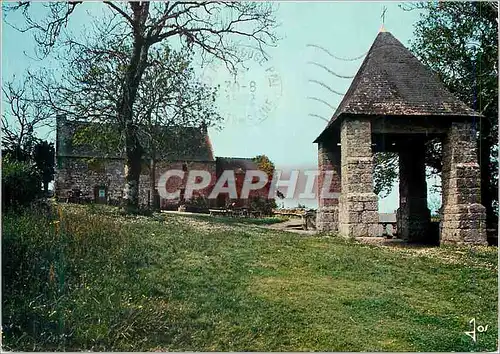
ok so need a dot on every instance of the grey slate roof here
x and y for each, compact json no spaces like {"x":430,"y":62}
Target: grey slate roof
{"x":235,"y":163}
{"x":393,"y":82}
{"x":178,"y":143}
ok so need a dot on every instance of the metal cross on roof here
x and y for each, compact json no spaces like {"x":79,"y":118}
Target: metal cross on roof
{"x":384,"y":9}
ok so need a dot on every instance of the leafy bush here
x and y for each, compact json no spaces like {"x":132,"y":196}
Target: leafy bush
{"x":197,"y":204}
{"x":264,"y":205}
{"x":21,"y":183}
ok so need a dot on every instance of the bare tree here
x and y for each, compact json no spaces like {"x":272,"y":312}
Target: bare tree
{"x":210,"y":26}
{"x":22,"y":117}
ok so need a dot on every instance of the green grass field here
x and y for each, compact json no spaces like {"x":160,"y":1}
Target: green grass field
{"x":104,"y":282}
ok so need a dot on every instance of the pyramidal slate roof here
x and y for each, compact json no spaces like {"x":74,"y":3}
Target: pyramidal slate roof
{"x":393,"y":82}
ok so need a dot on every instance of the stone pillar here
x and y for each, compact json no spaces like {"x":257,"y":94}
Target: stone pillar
{"x":328,"y":164}
{"x":464,"y":218}
{"x":413,"y":215}
{"x":358,"y":209}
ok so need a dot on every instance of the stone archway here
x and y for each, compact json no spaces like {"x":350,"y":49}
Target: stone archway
{"x":355,"y":213}
{"x":394,"y":102}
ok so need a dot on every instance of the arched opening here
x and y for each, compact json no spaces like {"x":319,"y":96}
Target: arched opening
{"x":401,"y":167}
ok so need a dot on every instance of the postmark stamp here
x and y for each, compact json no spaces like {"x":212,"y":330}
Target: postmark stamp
{"x":252,"y":95}
{"x":328,"y":73}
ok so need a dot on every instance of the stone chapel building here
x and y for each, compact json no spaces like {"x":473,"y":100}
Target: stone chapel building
{"x":397,"y":104}
{"x":99,"y":174}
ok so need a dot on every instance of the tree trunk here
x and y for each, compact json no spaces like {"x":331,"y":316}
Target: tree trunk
{"x":155,"y":197}
{"x":486,"y":173}
{"x":133,"y":148}
{"x":152,"y":168}
{"x":133,"y":153}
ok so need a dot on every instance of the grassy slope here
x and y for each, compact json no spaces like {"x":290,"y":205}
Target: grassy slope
{"x":190,"y":284}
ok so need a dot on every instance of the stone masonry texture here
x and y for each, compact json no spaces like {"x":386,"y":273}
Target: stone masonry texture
{"x":358,"y":215}
{"x":89,"y":169}
{"x":464,"y":218}
{"x":393,"y":100}
{"x":328,"y":163}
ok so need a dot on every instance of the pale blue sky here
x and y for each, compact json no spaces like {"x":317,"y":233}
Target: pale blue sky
{"x":285,"y":133}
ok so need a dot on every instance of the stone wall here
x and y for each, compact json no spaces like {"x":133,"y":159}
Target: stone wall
{"x":328,"y":163}
{"x":224,"y":199}
{"x":358,"y":209}
{"x":464,"y":218}
{"x":90,"y":168}
{"x":86,"y":174}
{"x":175,"y":183}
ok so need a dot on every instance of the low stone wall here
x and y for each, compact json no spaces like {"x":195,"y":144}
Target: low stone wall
{"x":309,"y":217}
{"x":327,"y":218}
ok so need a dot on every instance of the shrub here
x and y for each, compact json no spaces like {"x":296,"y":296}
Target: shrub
{"x":197,"y":204}
{"x":21,"y":183}
{"x":264,"y":205}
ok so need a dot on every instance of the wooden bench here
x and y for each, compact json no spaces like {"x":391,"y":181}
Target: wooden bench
{"x":255,"y":214}
{"x":219,"y":212}
{"x":238,"y":212}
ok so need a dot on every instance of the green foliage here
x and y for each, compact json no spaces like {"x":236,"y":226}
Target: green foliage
{"x":37,"y":154}
{"x":264,"y":205}
{"x":459,"y":42}
{"x":264,"y":164}
{"x":54,"y":271}
{"x":385,"y":172}
{"x":104,"y":282}
{"x":21,"y":183}
{"x":105,"y":67}
{"x":44,"y":159}
{"x":105,"y":138}
{"x":18,"y":152}
{"x":169,"y":96}
{"x":197,"y":203}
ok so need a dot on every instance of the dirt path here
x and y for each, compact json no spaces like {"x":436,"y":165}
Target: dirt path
{"x":292,"y":225}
